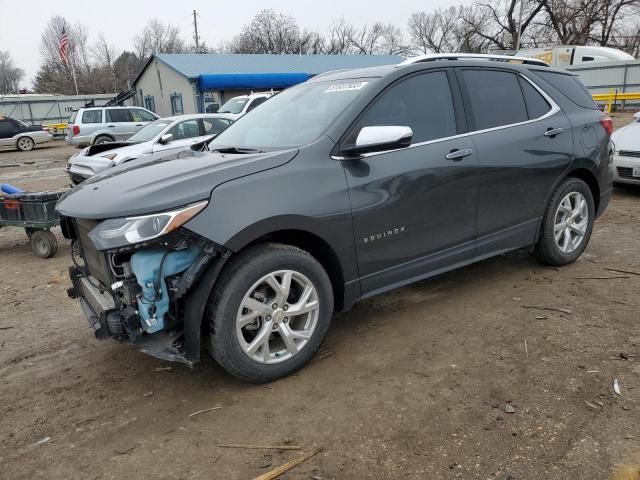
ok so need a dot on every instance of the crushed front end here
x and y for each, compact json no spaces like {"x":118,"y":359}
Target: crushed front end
{"x":134,"y":278}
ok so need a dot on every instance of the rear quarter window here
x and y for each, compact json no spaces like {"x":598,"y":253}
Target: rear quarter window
{"x":92,"y":116}
{"x":570,"y":86}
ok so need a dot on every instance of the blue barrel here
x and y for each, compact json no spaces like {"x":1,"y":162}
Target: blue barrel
{"x":10,"y":189}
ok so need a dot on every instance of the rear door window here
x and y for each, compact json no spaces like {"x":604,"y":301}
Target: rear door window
{"x":422,"y":102}
{"x":495,"y":98}
{"x":118,"y":115}
{"x":186,"y":129}
{"x":536,"y":104}
{"x":570,"y":86}
{"x":213,"y":126}
{"x":92,"y":116}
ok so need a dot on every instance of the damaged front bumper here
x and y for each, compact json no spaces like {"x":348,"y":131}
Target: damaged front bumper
{"x":149,"y":295}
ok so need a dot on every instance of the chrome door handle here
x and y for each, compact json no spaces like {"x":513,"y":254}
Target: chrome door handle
{"x":552,"y":132}
{"x":457,"y":155}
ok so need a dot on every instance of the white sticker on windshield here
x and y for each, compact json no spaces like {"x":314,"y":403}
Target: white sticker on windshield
{"x":344,"y":86}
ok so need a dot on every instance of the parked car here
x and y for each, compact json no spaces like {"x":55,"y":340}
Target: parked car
{"x":337,"y":189}
{"x":165,"y":135}
{"x":625,"y":144}
{"x":17,"y":134}
{"x":97,"y":125}
{"x":243,"y":104}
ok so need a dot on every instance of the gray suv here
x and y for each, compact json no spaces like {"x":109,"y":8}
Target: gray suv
{"x":343,"y":187}
{"x":96,"y":125}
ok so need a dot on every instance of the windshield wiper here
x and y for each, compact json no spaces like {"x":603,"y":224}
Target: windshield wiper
{"x":236,"y":150}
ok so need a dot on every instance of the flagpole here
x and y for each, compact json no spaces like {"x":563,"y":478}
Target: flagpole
{"x":75,"y":81}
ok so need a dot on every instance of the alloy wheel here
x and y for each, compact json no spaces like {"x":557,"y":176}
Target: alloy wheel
{"x":571,"y":222}
{"x":277,"y":316}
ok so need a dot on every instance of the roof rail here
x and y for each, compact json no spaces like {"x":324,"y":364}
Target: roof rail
{"x":472,"y":56}
{"x":330,"y":72}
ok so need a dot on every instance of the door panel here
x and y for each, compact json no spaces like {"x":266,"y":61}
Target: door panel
{"x":517,"y":163}
{"x":410,"y":204}
{"x":413,"y":207}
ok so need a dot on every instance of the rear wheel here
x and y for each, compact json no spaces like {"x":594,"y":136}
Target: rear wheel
{"x":100,"y":139}
{"x":25,"y":144}
{"x":567,"y":224}
{"x":43,"y":243}
{"x":270,"y":313}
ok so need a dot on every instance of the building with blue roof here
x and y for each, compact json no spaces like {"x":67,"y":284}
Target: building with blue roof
{"x":175,"y":83}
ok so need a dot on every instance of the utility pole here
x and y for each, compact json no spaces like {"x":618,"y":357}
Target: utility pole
{"x":195,"y":28}
{"x":519,"y":39}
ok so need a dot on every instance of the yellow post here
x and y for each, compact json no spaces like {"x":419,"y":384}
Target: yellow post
{"x":610,"y":102}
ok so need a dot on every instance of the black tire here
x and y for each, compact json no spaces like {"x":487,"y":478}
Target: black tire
{"x":235,"y":281}
{"x":546,"y":249}
{"x":44,"y":243}
{"x":25,"y":144}
{"x":102,"y":139}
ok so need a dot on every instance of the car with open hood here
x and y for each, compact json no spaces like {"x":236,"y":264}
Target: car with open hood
{"x":161,"y":137}
{"x":337,"y":189}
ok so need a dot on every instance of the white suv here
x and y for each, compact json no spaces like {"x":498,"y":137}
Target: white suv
{"x":239,"y":106}
{"x":96,"y":125}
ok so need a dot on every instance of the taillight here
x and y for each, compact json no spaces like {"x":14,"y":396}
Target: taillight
{"x":76,"y":130}
{"x":607,"y":124}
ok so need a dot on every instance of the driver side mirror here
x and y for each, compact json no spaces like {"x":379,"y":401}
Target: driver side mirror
{"x":379,"y":139}
{"x":166,"y":138}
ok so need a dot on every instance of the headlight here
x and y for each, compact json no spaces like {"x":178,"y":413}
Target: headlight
{"x":110,"y":156}
{"x":119,"y":232}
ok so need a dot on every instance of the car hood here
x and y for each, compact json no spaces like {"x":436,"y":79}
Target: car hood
{"x":129,"y":150}
{"x":627,"y":137}
{"x":143,"y":187}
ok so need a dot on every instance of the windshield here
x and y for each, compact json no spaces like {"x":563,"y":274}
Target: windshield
{"x":148,"y":133}
{"x":293,"y":118}
{"x":235,"y":105}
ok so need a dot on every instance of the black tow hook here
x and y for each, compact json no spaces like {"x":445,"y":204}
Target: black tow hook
{"x":72,"y":292}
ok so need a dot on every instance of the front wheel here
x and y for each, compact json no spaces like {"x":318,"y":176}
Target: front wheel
{"x":270,"y":312}
{"x":567,"y":224}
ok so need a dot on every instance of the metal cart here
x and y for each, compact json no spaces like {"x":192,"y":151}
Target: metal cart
{"x":35,"y":212}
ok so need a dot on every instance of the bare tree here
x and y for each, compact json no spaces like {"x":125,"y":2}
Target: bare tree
{"x":56,"y":75}
{"x":612,"y":14}
{"x":311,"y":42}
{"x":105,"y":54}
{"x":10,"y":75}
{"x":434,"y":32}
{"x":339,"y":37}
{"x":158,"y":37}
{"x":269,"y":32}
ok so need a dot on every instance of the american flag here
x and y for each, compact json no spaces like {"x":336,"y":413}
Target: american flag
{"x":64,"y":46}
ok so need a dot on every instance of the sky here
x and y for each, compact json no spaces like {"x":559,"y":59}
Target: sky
{"x":218,"y":21}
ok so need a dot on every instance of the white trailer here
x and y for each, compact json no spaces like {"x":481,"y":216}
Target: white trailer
{"x":567,"y":55}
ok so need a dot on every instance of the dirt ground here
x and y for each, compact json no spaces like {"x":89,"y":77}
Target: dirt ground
{"x":412,"y":384}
